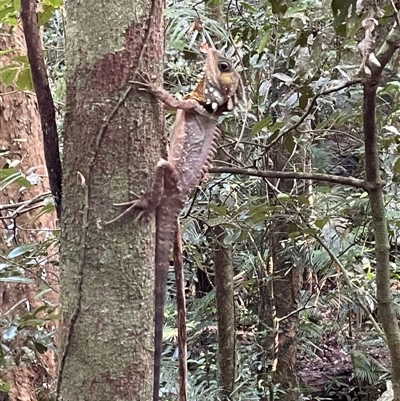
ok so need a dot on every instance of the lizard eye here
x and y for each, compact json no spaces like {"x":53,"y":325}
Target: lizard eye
{"x":224,"y":66}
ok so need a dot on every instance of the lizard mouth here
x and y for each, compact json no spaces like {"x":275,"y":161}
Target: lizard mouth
{"x":220,"y":109}
{"x":209,"y":108}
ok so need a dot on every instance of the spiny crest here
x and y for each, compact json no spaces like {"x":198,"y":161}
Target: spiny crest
{"x":210,"y":156}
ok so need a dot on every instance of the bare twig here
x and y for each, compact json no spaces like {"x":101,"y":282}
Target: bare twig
{"x":32,"y":201}
{"x":350,"y":181}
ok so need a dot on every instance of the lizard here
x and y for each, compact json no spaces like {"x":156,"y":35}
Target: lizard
{"x":192,"y":146}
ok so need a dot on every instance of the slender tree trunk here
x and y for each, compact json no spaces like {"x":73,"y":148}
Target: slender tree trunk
{"x":225,"y":313}
{"x":21,"y":135}
{"x":112,"y":144}
{"x":224,"y":285}
{"x":279,"y":299}
{"x":387,"y":309}
{"x":286,"y":283}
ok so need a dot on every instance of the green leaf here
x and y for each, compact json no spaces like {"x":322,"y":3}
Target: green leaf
{"x":11,"y":175}
{"x":219,"y":209}
{"x":258,"y":126}
{"x":232,"y":237}
{"x":285,"y":198}
{"x":16,"y":280}
{"x":321,"y":222}
{"x":40,"y":347}
{"x":49,"y":208}
{"x":4,"y":386}
{"x":396,"y":167}
{"x":43,"y":292}
{"x":8,"y":172}
{"x":263,"y":42}
{"x":341,"y":9}
{"x":17,"y":5}
{"x":323,"y":189}
{"x":289,"y":143}
{"x":278,"y":7}
{"x":45,"y":15}
{"x":54,"y":3}
{"x":8,"y":75}
{"x":22,"y":250}
{"x":24,"y":81}
{"x":305,"y":94}
{"x":7,"y":51}
{"x":21,"y":59}
{"x":216,"y":222}
{"x":6,"y":12}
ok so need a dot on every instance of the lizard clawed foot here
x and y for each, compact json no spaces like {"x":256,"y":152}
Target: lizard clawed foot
{"x":147,"y":82}
{"x":133,"y":204}
{"x":129,"y":203}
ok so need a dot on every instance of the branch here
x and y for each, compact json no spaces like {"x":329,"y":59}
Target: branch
{"x":44,"y":99}
{"x":24,"y":207}
{"x":385,"y":53}
{"x":32,"y":201}
{"x":309,"y":109}
{"x":350,"y":181}
{"x":391,"y":44}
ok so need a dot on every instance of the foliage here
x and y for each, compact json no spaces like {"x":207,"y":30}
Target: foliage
{"x":290,"y":53}
{"x":26,"y":333}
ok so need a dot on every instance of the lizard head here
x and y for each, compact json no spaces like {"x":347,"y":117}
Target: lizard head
{"x":221,"y":88}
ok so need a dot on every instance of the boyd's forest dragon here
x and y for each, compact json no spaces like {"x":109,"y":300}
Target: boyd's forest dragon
{"x":192,"y":146}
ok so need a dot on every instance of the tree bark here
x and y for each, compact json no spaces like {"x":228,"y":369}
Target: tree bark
{"x":225,"y":314}
{"x":374,"y":183}
{"x":20,"y":134}
{"x":110,"y":146}
{"x":279,"y":293}
{"x":45,"y":100}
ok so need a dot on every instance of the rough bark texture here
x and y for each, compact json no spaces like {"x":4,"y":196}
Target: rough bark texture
{"x":279,"y":298}
{"x":286,"y":286}
{"x":20,"y":132}
{"x":112,"y":143}
{"x":225,"y":314}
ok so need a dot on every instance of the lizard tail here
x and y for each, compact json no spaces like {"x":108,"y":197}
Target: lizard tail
{"x":166,"y":226}
{"x":181,"y":305}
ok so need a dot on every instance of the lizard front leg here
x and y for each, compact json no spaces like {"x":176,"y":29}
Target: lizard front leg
{"x":149,"y":203}
{"x":169,"y":101}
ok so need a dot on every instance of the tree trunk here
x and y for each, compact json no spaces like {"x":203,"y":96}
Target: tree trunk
{"x":387,"y":308}
{"x":112,"y":144}
{"x":286,"y":283}
{"x":279,"y":295}
{"x":21,"y":134}
{"x":224,"y":286}
{"x":225,"y":313}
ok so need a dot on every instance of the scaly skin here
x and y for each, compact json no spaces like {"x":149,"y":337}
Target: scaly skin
{"x":192,"y":147}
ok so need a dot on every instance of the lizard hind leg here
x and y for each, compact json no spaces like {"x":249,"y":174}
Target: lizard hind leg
{"x":139,"y":203}
{"x":148,"y":203}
